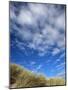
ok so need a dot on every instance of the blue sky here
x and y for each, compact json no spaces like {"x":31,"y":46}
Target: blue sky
{"x":37,"y":37}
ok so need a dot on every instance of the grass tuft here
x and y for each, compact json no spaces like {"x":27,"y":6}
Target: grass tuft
{"x":21,"y":78}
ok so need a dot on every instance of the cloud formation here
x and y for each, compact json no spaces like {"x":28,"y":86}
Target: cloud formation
{"x":42,"y":26}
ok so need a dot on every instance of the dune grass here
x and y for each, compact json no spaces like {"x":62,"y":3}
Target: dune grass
{"x":21,"y":78}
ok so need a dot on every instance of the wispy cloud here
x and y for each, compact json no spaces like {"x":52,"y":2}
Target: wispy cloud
{"x":39,"y":66}
{"x":55,"y":51}
{"x":40,"y":26}
{"x":39,"y":29}
{"x":61,"y":74}
{"x":33,"y":63}
{"x":60,"y":58}
{"x":60,"y":65}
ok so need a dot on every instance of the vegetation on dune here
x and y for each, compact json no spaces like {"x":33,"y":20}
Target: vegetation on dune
{"x":20,"y":78}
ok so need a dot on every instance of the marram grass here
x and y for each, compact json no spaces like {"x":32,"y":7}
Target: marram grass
{"x":23,"y":78}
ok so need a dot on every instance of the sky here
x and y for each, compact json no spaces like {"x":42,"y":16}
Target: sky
{"x":37,"y":37}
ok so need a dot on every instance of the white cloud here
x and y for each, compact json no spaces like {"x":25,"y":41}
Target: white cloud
{"x":61,"y":42}
{"x":62,"y":55}
{"x":20,"y":46}
{"x":48,"y":61}
{"x":12,"y":15}
{"x":61,"y":68}
{"x":41,"y":53}
{"x":42,"y":42}
{"x":50,"y":34}
{"x":39,"y":67}
{"x":55,"y":51}
{"x":12,"y":12}
{"x":25,"y":17}
{"x":59,"y":59}
{"x":38,"y":10}
{"x":61,"y":74}
{"x":38,"y":44}
{"x":32,"y":63}
{"x":25,"y":34}
{"x":60,"y":65}
{"x":60,"y":21}
{"x":41,"y":39}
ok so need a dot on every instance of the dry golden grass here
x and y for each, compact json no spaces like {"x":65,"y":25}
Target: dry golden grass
{"x":21,"y":78}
